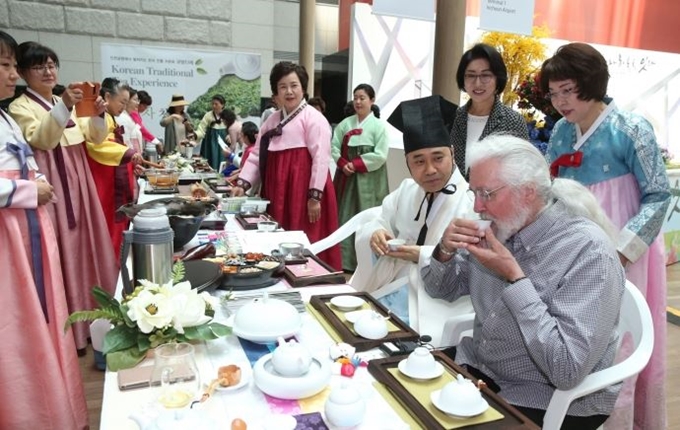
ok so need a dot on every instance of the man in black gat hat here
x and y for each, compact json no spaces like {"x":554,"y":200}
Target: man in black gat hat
{"x":416,"y":212}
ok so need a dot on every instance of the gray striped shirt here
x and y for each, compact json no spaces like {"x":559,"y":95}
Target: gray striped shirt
{"x":547,"y":331}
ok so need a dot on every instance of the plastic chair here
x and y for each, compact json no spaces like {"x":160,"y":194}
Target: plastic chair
{"x":634,"y":318}
{"x":346,"y":230}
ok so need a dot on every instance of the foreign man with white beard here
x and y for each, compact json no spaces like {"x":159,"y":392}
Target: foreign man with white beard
{"x":545,"y":282}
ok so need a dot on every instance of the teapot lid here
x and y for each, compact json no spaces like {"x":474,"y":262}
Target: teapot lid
{"x":151,"y":219}
{"x":344,"y":395}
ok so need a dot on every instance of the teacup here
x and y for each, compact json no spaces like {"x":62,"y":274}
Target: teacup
{"x":267,"y":226}
{"x":460,"y":395}
{"x":371,"y":326}
{"x":86,"y":106}
{"x":420,"y":362}
{"x":394,"y":244}
{"x":482,"y":224}
{"x":291,"y":250}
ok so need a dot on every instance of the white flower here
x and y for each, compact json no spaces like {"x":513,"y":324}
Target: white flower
{"x":210,"y":300}
{"x":150,"y":311}
{"x":189,"y":307}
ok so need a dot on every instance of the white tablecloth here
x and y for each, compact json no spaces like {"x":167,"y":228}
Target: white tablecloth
{"x":249,"y":402}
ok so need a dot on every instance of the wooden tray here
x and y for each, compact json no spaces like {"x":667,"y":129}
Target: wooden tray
{"x":311,"y":270}
{"x":342,"y":328}
{"x":249,"y":222}
{"x":513,"y":419}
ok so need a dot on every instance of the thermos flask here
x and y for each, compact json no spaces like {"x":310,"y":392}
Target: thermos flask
{"x":151,"y":242}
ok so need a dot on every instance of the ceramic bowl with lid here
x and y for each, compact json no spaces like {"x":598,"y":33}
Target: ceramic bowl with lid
{"x":265,"y":319}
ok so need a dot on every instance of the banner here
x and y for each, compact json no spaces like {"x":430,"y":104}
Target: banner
{"x":197,"y":75}
{"x":508,"y":16}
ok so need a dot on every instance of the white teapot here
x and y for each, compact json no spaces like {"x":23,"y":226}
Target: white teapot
{"x":372,"y":325}
{"x":345,"y":407}
{"x":291,"y":358}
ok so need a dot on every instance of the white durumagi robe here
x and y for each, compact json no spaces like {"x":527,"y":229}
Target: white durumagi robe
{"x":388,"y":274}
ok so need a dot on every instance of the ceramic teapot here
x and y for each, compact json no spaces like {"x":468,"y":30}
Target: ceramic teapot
{"x":291,"y":358}
{"x":345,"y":407}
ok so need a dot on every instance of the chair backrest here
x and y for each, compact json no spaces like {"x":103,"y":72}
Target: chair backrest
{"x":346,"y":230}
{"x":635,"y":319}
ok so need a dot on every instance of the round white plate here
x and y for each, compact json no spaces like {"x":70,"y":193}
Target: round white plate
{"x":353,"y":316}
{"x":347,"y":303}
{"x":246,"y":375}
{"x":470,"y":412}
{"x":436,"y":372}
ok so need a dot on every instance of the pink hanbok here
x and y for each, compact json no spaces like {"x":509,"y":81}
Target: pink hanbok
{"x":40,"y":382}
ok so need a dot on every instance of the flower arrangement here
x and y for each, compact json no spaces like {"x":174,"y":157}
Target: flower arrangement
{"x":152,"y":315}
{"x":540,"y":115}
{"x":521,"y":54}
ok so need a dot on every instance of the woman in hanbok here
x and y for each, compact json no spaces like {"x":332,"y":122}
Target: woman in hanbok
{"x":360,"y":146}
{"x":615,"y":154}
{"x":113,"y":162}
{"x":57,"y":137}
{"x":482,"y":75}
{"x":210,"y":130}
{"x":177,"y":124}
{"x":290,"y":160}
{"x":40,"y":382}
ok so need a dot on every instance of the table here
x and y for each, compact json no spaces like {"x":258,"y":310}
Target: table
{"x":249,"y":403}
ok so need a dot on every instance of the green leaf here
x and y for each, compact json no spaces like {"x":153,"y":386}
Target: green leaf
{"x":220,"y":329}
{"x":104,"y":299}
{"x":143,"y":343}
{"x":124,"y":359}
{"x":193,"y":333}
{"x":81,"y":316}
{"x":201,"y":71}
{"x":178,"y":272}
{"x":198,"y":62}
{"x":119,"y":338}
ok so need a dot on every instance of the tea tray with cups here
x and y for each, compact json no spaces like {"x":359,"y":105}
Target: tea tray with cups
{"x":337,"y":320}
{"x":423,"y":399}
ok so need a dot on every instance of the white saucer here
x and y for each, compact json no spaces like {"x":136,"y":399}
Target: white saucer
{"x":436,"y":372}
{"x":246,"y":374}
{"x":470,"y":412}
{"x":354,"y":316}
{"x":347,"y":303}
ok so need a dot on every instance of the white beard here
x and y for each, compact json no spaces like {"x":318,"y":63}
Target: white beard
{"x":504,"y":230}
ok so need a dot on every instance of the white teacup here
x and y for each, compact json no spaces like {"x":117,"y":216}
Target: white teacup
{"x":371,"y":326}
{"x":420,"y":362}
{"x":393,"y":244}
{"x":482,"y":224}
{"x":460,"y":395}
{"x":267,"y":226}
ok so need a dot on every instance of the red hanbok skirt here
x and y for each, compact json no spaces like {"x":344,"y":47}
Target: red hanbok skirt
{"x":286,"y":185}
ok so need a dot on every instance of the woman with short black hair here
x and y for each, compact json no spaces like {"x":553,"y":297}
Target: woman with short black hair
{"x":482,"y":75}
{"x":210,"y":130}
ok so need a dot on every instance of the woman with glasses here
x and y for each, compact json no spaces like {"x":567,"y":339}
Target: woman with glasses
{"x":615,"y":154}
{"x":113,"y":163}
{"x":57,"y":137}
{"x":482,"y":75}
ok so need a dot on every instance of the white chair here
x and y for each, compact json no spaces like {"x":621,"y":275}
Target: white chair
{"x":346,"y":230}
{"x":635,"y":319}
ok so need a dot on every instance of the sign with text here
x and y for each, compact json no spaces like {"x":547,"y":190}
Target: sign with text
{"x":197,"y":75}
{"x":421,"y":9}
{"x":508,"y":16}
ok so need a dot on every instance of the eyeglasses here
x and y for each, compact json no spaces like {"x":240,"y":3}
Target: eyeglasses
{"x":45,"y":68}
{"x":561,"y":94}
{"x":482,"y":194}
{"x":485,"y":78}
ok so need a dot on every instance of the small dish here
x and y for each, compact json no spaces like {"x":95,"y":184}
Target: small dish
{"x":267,"y":226}
{"x":436,"y":372}
{"x":347,"y":303}
{"x":246,"y":375}
{"x":478,"y":409}
{"x":353,"y":316}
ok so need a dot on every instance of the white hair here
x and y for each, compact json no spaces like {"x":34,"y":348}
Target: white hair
{"x":521,"y":164}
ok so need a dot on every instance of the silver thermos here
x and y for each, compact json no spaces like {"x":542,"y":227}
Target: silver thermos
{"x":151,"y":241}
